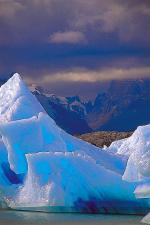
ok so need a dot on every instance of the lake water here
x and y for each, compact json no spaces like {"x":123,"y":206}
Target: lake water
{"x":36,"y":218}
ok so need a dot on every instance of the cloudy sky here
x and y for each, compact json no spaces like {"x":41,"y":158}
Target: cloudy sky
{"x":74,"y":46}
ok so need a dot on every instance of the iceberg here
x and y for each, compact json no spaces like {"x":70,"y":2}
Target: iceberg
{"x":137,"y":150}
{"x":43,"y":168}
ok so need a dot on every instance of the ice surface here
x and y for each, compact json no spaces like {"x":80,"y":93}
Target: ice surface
{"x":106,"y":159}
{"x":16,"y":101}
{"x":143,"y":190}
{"x":137,"y":149}
{"x":66,"y":179}
{"x":146,"y":219}
{"x":44,"y":168}
{"x":32,"y":135}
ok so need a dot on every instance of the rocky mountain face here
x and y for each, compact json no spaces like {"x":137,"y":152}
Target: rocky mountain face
{"x":68,"y":112}
{"x":123,"y":107}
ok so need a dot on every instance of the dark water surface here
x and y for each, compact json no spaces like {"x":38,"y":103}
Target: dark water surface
{"x":37,"y":218}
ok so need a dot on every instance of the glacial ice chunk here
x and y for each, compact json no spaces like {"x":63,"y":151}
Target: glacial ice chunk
{"x":36,"y":134}
{"x":44,"y":168}
{"x":137,"y":149}
{"x":65,"y":179}
{"x":16,"y":101}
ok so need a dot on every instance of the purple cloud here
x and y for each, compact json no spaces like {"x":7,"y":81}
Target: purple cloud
{"x":71,"y":37}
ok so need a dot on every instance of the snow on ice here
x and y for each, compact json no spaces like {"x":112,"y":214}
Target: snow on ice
{"x":43,"y":168}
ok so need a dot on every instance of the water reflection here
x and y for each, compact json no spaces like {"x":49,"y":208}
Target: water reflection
{"x":37,"y":218}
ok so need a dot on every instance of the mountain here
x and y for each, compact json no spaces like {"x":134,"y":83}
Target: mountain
{"x":68,"y":112}
{"x":119,"y":108}
{"x":123,"y":107}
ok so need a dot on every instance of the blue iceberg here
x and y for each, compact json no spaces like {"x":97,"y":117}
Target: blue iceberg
{"x":42,"y":168}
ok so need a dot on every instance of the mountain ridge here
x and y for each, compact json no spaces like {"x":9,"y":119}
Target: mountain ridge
{"x":121,"y":107}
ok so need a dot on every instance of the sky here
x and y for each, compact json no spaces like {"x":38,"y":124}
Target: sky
{"x":72,"y":47}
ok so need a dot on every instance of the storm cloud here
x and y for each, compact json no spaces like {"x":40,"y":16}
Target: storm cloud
{"x":88,"y":41}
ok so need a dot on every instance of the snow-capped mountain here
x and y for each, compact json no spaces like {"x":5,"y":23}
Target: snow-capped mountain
{"x":68,"y":112}
{"x":123,"y":101}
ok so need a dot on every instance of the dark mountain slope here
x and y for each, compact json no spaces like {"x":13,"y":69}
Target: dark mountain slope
{"x":125,"y":106}
{"x":68,"y":112}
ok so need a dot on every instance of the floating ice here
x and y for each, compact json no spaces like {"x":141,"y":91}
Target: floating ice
{"x":72,"y":181}
{"x":44,"y":168}
{"x":137,"y":149}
